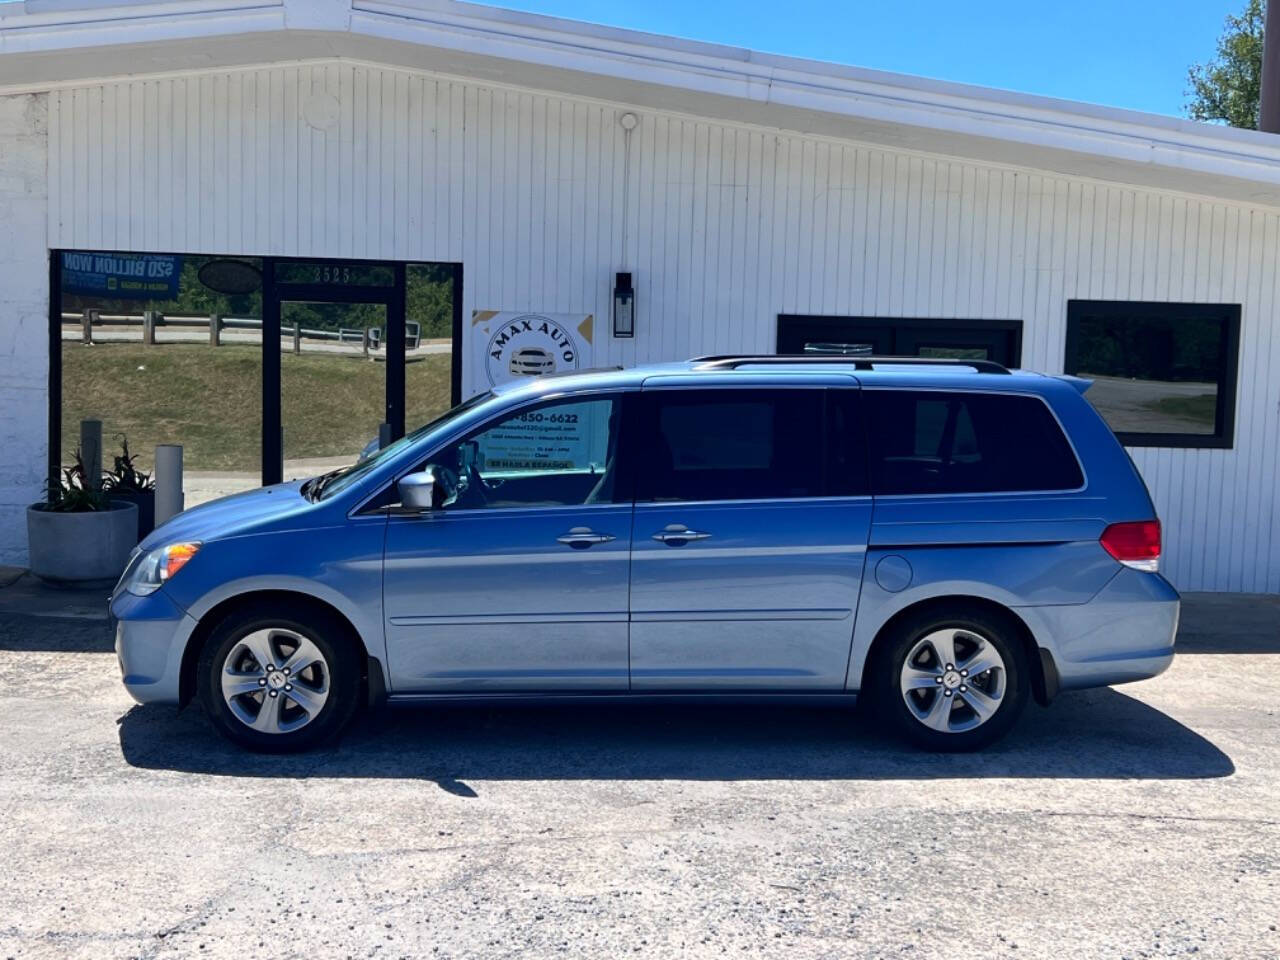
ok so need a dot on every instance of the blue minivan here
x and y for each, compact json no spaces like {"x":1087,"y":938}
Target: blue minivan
{"x":943,"y":540}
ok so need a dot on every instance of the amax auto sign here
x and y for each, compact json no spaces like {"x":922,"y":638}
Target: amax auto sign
{"x":509,"y":344}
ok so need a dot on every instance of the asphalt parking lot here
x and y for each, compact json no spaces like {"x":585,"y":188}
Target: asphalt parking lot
{"x":1137,"y":822}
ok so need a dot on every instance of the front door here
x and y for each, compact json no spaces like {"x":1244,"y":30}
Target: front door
{"x":519,"y":582}
{"x":750,"y":532}
{"x":325,"y":392}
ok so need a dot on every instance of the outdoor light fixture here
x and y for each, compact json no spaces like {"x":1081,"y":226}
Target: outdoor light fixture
{"x":624,"y":306}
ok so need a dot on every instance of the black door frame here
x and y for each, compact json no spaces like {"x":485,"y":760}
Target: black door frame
{"x":873,"y":326}
{"x":273,"y":294}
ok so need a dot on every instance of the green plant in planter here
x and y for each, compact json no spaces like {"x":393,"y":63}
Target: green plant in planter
{"x":74,"y":493}
{"x":80,"y":534}
{"x":124,"y":481}
{"x":124,"y":477}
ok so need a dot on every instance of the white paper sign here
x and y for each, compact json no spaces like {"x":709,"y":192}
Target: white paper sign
{"x":568,"y":437}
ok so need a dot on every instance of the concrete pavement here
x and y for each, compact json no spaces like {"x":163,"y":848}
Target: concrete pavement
{"x":1137,"y":822}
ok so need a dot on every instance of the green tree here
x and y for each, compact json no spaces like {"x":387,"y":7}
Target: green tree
{"x":1228,"y":89}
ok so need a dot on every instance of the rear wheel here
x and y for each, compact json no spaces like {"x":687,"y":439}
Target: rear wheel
{"x":953,"y":682}
{"x":279,"y":678}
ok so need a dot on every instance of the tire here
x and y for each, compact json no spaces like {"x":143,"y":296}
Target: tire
{"x":957,"y":709}
{"x":310,"y":690}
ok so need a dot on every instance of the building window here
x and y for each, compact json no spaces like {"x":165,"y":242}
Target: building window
{"x":997,"y":340}
{"x":1164,"y":373}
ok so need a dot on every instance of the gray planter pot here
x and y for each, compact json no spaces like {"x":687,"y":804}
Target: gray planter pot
{"x":81,"y":548}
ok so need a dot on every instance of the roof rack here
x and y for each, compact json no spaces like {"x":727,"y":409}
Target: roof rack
{"x":732,"y":362}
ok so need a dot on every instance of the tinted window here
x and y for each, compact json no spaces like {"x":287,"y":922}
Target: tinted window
{"x":847,"y":444}
{"x":557,"y":454}
{"x":733,"y":445}
{"x":943,"y":442}
{"x":1163,"y":373}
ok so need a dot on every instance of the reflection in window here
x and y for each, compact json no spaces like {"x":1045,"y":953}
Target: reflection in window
{"x":138,"y":353}
{"x":1163,"y":373}
{"x":941,"y":352}
{"x":430,"y":291}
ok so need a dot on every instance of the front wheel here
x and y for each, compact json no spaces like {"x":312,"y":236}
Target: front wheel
{"x":953,"y":682}
{"x":279,"y":680}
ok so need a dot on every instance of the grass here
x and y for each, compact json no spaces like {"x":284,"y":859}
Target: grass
{"x":209,"y":399}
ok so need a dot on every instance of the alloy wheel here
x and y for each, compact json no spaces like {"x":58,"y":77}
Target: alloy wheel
{"x":275,"y":680}
{"x":953,"y":680}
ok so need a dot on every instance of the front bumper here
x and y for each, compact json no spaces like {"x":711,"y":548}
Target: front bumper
{"x":151,"y":635}
{"x":1125,"y":633}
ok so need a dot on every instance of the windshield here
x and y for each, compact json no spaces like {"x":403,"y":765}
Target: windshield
{"x":333,"y":483}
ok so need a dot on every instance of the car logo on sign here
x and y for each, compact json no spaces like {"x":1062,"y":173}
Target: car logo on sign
{"x":529,"y":346}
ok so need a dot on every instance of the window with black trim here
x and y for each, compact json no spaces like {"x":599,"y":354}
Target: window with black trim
{"x":1164,"y":374}
{"x":934,"y":442}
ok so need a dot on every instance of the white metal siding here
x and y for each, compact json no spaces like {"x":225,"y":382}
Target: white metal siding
{"x":24,"y":317}
{"x":728,"y":226}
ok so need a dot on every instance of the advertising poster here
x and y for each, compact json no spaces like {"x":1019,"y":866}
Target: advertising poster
{"x":138,"y":276}
{"x":511,"y":345}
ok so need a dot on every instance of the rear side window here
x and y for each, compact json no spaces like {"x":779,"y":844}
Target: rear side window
{"x":954,"y":442}
{"x":732,"y":445}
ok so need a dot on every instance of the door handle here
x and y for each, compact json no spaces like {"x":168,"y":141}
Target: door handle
{"x":677,"y":535}
{"x":582,"y":537}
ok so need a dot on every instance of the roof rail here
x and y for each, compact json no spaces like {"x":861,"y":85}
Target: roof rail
{"x":732,"y":362}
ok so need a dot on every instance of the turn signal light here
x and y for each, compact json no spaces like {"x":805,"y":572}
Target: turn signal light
{"x":176,"y":557}
{"x":1136,"y":545}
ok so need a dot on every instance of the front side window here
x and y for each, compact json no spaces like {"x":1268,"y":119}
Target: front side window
{"x":934,"y":442}
{"x":1164,"y":374}
{"x":556,"y":454}
{"x":326,"y":486}
{"x":745,"y":444}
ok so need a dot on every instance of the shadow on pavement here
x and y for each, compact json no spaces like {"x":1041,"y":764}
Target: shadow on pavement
{"x":1098,"y":734}
{"x":24,"y":598}
{"x":1229,"y":623}
{"x":42,"y":633}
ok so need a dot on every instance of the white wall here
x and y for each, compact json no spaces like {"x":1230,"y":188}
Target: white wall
{"x":728,"y":226}
{"x":24,"y":317}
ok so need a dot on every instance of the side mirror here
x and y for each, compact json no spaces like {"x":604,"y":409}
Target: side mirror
{"x":421,"y":492}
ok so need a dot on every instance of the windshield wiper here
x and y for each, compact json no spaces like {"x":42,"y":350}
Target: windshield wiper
{"x":315,"y":486}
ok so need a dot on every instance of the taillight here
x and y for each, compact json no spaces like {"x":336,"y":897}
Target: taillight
{"x":1135,"y":544}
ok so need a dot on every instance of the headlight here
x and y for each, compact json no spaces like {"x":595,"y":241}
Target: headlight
{"x":157,"y":566}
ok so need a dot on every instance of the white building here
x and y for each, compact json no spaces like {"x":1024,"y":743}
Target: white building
{"x":760,"y":203}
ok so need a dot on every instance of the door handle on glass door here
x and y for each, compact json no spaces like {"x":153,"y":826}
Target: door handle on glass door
{"x":582,"y":537}
{"x":677,"y":535}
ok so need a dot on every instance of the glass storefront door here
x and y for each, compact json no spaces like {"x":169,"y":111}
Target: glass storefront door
{"x":333,"y":383}
{"x":339,"y":372}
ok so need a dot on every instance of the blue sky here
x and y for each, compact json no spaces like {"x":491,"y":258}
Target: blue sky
{"x":1124,"y":53}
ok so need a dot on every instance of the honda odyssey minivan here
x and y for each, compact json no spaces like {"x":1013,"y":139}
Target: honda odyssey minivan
{"x":944,"y":540}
